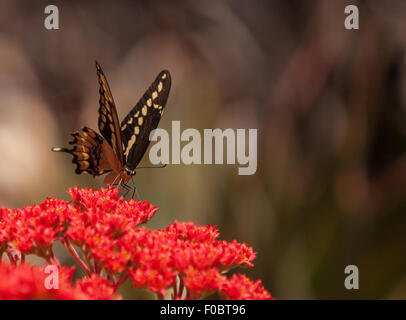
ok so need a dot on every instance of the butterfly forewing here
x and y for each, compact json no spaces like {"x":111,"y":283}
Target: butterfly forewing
{"x":108,"y":118}
{"x":143,"y":118}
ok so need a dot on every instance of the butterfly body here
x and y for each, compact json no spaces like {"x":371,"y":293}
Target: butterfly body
{"x":120,"y":147}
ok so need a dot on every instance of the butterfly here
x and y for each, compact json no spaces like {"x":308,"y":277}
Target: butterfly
{"x":120,"y":148}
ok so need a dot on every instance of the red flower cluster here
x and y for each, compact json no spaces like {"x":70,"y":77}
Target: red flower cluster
{"x":28,"y":282}
{"x":186,"y":258}
{"x":192,"y":253}
{"x":243,"y":288}
{"x":33,"y":229}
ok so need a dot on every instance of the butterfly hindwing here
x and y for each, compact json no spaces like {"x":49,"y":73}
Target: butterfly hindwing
{"x":143,"y":118}
{"x":91,"y":153}
{"x":108,"y":118}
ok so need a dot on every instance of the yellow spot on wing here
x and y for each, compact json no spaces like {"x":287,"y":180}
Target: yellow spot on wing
{"x":110,"y":117}
{"x":130,"y":144}
{"x":91,"y":133}
{"x":164,"y":76}
{"x":160,"y":86}
{"x":85,"y":164}
{"x":140,"y":121}
{"x":144,"y":110}
{"x":130,"y":121}
{"x":149,"y":102}
{"x":136,"y":130}
{"x":123,"y":127}
{"x":113,"y":141}
{"x":156,"y":106}
{"x":154,"y":95}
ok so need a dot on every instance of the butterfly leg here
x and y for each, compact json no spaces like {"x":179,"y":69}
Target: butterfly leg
{"x":115,"y":179}
{"x":127,"y":188}
{"x":135,"y":190}
{"x":119,"y":183}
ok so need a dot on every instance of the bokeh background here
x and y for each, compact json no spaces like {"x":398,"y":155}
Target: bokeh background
{"x":329,"y":105}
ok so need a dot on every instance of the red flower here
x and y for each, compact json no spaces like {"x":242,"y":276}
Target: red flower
{"x":240,"y":287}
{"x":4,"y":229}
{"x":202,"y":283}
{"x":101,"y":222}
{"x":95,"y":287}
{"x":190,"y":252}
{"x":25,"y":282}
{"x":185,"y":257}
{"x":34,"y":229}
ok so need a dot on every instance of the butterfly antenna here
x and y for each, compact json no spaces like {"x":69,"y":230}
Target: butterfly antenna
{"x":153,"y":167}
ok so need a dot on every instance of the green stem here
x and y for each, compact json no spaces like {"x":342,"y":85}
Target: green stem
{"x":11,"y":258}
{"x":181,"y":287}
{"x":87,"y":259}
{"x":123,"y":278}
{"x":76,"y":256}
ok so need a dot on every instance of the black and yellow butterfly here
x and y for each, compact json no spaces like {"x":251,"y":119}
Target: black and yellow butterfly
{"x":120,"y":148}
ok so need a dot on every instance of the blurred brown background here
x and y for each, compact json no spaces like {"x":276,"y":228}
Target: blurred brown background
{"x":329,"y":105}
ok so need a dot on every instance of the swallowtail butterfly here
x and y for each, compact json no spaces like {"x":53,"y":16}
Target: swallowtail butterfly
{"x":119,"y":148}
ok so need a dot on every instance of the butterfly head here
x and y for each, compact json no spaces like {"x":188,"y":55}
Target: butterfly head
{"x":128,"y":171}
